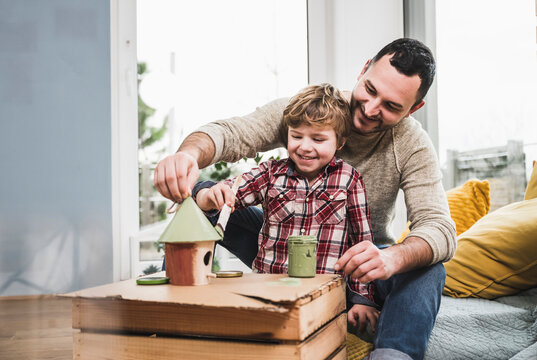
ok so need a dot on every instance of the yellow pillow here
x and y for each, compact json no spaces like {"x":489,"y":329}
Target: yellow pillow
{"x":497,"y":256}
{"x":467,"y":204}
{"x":531,"y":190}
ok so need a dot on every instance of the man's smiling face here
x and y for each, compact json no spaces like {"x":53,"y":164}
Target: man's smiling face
{"x":382,"y":97}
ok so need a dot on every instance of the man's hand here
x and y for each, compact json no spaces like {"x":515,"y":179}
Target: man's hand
{"x":215,"y":197}
{"x":365,"y":262}
{"x":363,"y":314}
{"x":175,"y":176}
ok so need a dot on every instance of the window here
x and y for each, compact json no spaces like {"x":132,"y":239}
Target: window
{"x":201,"y":61}
{"x":487,"y":76}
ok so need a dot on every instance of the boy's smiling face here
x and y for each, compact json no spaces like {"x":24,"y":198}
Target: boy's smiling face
{"x":311,"y":148}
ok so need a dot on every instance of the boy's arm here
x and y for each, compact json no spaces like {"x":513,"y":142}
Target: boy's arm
{"x":359,"y":230}
{"x":252,"y":187}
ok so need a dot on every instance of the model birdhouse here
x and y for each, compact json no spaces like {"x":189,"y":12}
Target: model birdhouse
{"x":189,"y":245}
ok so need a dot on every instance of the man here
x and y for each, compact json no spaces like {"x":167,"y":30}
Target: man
{"x":392,"y":152}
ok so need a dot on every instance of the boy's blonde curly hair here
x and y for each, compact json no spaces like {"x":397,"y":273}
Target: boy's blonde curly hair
{"x":319,"y":105}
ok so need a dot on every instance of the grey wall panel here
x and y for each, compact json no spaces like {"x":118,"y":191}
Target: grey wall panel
{"x":55,"y":152}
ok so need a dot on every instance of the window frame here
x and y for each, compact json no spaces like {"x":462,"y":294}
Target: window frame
{"x":124,"y":126}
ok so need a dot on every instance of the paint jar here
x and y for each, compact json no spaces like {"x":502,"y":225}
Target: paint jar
{"x":302,"y":256}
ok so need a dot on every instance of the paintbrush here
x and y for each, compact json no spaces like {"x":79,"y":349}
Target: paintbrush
{"x":226,"y":210}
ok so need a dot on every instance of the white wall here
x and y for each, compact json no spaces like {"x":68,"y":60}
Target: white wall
{"x":344,"y":34}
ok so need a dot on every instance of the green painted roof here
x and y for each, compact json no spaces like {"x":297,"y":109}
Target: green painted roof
{"x":189,"y":224}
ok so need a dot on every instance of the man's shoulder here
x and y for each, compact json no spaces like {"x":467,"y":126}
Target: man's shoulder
{"x":411,"y":140}
{"x":276,"y":106}
{"x":408,"y":126}
{"x":410,"y":133}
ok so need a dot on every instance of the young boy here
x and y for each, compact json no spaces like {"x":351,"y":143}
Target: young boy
{"x":310,"y":193}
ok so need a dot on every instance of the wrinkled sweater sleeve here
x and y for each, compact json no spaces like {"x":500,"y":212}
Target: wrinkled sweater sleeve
{"x":425,"y":198}
{"x":244,"y":136}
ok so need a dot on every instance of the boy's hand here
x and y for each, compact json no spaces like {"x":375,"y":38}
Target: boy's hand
{"x":363,"y":314}
{"x":215,"y":197}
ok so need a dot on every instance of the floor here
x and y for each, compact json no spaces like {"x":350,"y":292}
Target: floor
{"x":35,"y":327}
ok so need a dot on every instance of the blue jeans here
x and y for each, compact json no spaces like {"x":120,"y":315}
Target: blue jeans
{"x":409,"y":301}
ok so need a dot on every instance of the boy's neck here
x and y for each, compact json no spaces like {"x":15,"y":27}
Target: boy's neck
{"x":311,"y":178}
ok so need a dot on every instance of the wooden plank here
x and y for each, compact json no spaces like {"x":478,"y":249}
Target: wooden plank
{"x":244,"y":292}
{"x":34,"y":314}
{"x":33,"y":304}
{"x":318,"y":312}
{"x":339,"y":354}
{"x":146,"y":317}
{"x":51,"y":348}
{"x":97,"y":346}
{"x":293,"y":321}
{"x":35,"y":327}
{"x":231,"y":322}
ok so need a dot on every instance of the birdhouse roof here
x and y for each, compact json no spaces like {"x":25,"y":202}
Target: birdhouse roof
{"x":189,"y":224}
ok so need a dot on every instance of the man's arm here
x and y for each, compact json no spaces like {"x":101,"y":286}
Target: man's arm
{"x":365,"y":262}
{"x":227,"y":140}
{"x":432,"y":238}
{"x":425,"y":197}
{"x":200,"y":146}
{"x":176,"y":174}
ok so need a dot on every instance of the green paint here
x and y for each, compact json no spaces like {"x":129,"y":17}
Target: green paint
{"x":302,"y":257}
{"x":189,"y":224}
{"x":285,"y":282}
{"x":153,"y":280}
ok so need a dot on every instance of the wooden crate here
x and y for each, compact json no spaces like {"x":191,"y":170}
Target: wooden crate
{"x":263,"y":315}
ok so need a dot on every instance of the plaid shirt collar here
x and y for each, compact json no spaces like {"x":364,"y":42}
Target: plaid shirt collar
{"x":288,"y":168}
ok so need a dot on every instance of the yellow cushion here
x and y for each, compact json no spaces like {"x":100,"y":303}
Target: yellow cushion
{"x":467,"y":204}
{"x":497,"y":256}
{"x":357,"y":348}
{"x":531,"y":190}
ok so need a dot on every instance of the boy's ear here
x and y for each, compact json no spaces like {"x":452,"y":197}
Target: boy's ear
{"x":343,"y":141}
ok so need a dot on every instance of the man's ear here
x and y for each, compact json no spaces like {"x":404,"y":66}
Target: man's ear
{"x":416,"y":107}
{"x":364,"y":69}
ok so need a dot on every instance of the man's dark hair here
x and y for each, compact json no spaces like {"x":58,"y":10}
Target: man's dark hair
{"x":411,"y":57}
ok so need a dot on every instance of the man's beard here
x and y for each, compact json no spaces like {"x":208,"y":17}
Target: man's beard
{"x":379,"y":128}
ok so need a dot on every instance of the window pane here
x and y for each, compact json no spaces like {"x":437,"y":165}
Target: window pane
{"x":487,"y":75}
{"x":213,"y":59}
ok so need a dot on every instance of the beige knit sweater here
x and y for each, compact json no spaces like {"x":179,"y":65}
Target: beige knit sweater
{"x":399,"y":158}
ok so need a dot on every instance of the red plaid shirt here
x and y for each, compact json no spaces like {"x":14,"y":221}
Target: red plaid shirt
{"x":333,"y":208}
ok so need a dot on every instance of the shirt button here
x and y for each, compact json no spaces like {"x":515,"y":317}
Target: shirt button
{"x":331,"y":197}
{"x":306,"y":199}
{"x":302,"y":231}
{"x":281,"y":196}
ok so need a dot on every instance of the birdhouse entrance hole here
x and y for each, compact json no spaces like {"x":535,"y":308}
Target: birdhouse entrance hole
{"x":207,"y":257}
